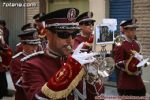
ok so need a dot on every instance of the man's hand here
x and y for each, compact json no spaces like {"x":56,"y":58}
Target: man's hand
{"x":2,"y":42}
{"x":138,"y":56}
{"x":83,"y":57}
{"x":143,"y":63}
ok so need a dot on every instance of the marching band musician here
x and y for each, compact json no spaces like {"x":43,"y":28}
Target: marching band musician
{"x":28,"y":26}
{"x":29,"y":42}
{"x":5,"y":58}
{"x":55,"y":74}
{"x":86,"y":23}
{"x":120,"y":36}
{"x":130,"y":83}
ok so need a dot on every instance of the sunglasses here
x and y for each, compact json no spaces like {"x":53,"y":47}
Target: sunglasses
{"x":66,"y":35}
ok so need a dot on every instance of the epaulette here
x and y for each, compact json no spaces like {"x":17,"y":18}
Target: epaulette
{"x":32,"y":55}
{"x":18,"y":44}
{"x":16,"y":55}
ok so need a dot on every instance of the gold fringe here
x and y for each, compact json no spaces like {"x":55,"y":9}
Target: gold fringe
{"x":63,"y":93}
{"x":127,"y":65}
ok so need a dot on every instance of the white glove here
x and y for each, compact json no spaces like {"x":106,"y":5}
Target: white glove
{"x":138,"y":56}
{"x":142,"y":63}
{"x":83,"y":57}
{"x":2,"y":40}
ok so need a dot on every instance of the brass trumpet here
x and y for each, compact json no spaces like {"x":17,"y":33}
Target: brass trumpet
{"x":119,"y":39}
{"x":99,"y":69}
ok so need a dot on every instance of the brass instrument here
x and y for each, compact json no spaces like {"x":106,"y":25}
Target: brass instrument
{"x":99,"y":69}
{"x":99,"y":66}
{"x":119,"y":39}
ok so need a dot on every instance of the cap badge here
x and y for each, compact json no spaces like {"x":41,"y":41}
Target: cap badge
{"x":35,"y":35}
{"x":71,"y":14}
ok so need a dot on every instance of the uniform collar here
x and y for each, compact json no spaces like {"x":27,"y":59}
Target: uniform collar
{"x":52,"y":53}
{"x":55,"y":55}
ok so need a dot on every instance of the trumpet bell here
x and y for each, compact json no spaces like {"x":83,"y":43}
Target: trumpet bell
{"x":99,"y":69}
{"x":119,"y":39}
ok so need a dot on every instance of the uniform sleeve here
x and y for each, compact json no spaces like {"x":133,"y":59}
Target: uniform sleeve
{"x":58,"y":86}
{"x":119,"y":57}
{"x":32,"y":81}
{"x":6,"y":56}
{"x":15,"y":71}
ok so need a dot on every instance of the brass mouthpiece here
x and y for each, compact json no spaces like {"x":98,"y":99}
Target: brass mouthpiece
{"x":69,"y":48}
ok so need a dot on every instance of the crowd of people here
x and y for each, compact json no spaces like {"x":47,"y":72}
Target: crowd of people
{"x":50,"y":61}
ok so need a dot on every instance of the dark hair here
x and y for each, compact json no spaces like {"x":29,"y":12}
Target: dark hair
{"x":2,"y":22}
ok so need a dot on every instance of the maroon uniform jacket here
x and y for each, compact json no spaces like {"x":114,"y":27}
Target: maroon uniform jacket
{"x":46,"y":76}
{"x":87,"y":48}
{"x":19,"y":48}
{"x":5,"y":54}
{"x":15,"y":71}
{"x":121,"y":55}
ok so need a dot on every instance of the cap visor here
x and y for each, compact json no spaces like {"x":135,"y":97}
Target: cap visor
{"x":131,"y":26}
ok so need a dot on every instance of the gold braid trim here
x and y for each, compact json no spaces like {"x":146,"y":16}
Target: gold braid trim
{"x":63,"y":93}
{"x":127,"y":65}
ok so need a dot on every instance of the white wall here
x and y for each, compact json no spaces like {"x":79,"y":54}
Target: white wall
{"x":100,"y":10}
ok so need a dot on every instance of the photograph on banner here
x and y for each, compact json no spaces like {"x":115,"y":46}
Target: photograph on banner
{"x":105,"y":31}
{"x":104,"y":35}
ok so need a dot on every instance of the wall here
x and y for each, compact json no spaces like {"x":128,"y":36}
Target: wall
{"x":15,"y":17}
{"x":141,"y":11}
{"x":100,"y":10}
{"x":82,"y":5}
{"x":31,"y":11}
